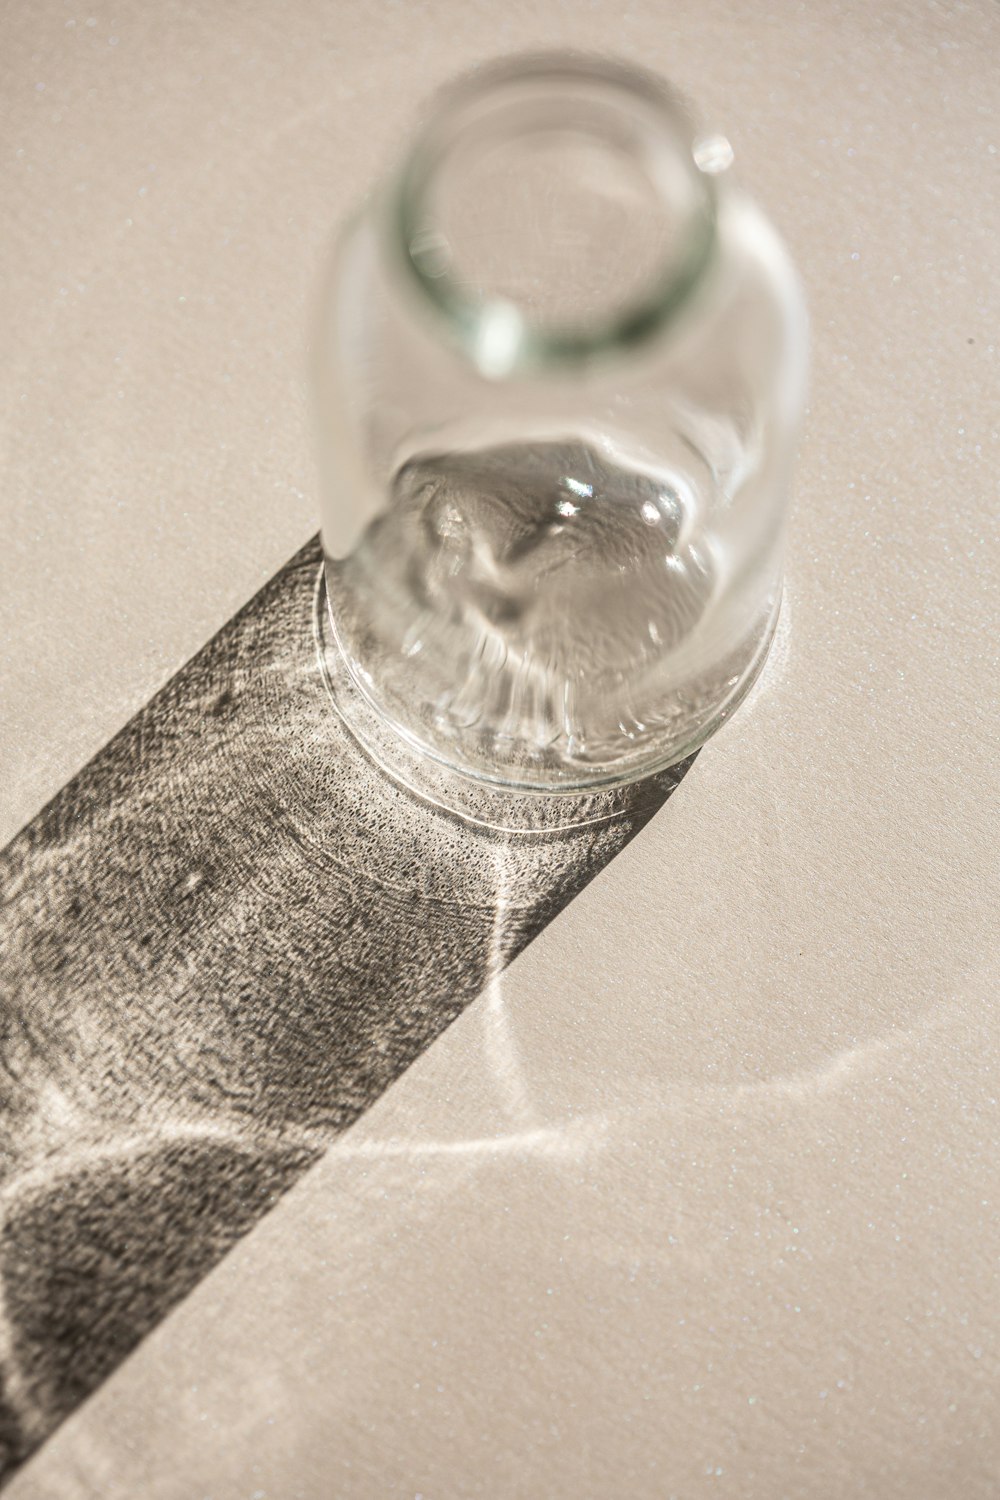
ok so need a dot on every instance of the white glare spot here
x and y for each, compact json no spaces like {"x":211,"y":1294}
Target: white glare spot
{"x":713,"y":154}
{"x":674,"y":562}
{"x":498,"y":339}
{"x":649,"y":513}
{"x":567,"y":508}
{"x":578,"y":488}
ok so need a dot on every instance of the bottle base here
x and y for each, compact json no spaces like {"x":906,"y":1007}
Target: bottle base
{"x":502,"y":804}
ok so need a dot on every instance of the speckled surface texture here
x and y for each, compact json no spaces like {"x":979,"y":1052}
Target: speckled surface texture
{"x":700,"y":1199}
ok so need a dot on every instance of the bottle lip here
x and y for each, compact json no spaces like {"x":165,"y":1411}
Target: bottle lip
{"x":500,"y":343}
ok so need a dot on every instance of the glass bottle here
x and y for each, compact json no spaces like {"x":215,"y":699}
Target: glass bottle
{"x":560,"y":366}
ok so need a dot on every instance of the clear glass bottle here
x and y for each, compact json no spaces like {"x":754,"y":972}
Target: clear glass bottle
{"x":560,"y":368}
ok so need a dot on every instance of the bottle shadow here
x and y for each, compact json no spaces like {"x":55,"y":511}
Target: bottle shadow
{"x":219,"y":944}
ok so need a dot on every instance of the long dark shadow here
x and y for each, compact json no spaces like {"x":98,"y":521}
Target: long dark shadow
{"x":218,"y":945}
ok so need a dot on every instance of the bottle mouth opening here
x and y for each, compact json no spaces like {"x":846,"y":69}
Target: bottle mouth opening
{"x":557,"y":207}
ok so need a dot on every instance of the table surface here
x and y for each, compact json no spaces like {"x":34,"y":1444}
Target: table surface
{"x":700,"y":1198}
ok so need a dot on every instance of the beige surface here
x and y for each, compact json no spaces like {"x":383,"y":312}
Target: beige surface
{"x":702,"y":1200}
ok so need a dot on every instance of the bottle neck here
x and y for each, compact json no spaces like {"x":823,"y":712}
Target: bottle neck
{"x":555,"y":209}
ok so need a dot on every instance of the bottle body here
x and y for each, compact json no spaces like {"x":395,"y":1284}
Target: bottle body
{"x":558,"y":436}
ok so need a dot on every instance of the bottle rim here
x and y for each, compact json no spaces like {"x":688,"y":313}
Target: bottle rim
{"x":482,"y":328}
